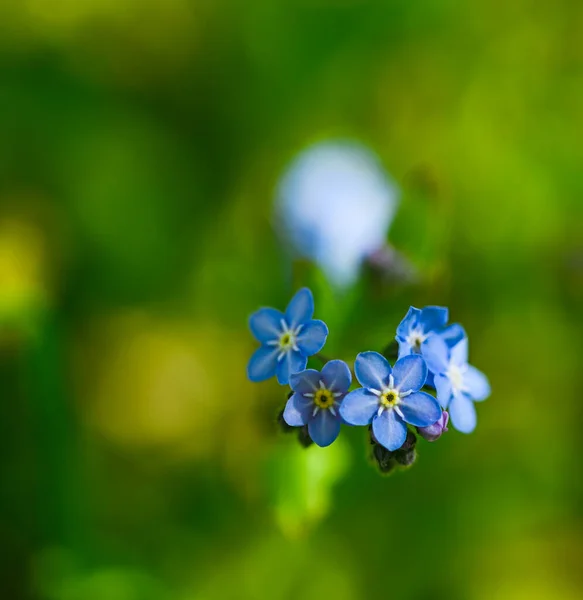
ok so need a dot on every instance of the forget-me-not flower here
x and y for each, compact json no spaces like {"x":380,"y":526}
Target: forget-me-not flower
{"x":334,"y":206}
{"x":458,"y":384}
{"x":287,"y":339}
{"x":390,"y":398}
{"x":317,"y":399}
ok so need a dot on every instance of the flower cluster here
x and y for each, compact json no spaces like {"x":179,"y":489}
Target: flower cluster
{"x":390,"y":400}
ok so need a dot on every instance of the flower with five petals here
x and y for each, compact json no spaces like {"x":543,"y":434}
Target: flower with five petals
{"x":458,"y":384}
{"x":287,"y":339}
{"x":390,"y":398}
{"x":317,"y":399}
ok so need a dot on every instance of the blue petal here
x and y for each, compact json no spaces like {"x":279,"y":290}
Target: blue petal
{"x":410,"y":373}
{"x":312,"y":337}
{"x":433,"y":318}
{"x":389,"y":430}
{"x":476,"y":384}
{"x":262,"y":364}
{"x":305,"y":382}
{"x":443,"y":387}
{"x":462,"y":413}
{"x":372,"y":370}
{"x":420,"y":409}
{"x":292,"y":362}
{"x":404,"y":347}
{"x":298,"y":410}
{"x":436,"y":354}
{"x":359,"y":407}
{"x":300,"y":308}
{"x":265,"y":324}
{"x":459,"y":352}
{"x":337,"y":376}
{"x":409,"y":322}
{"x":429,"y":381}
{"x":453,"y":334}
{"x":324,"y":428}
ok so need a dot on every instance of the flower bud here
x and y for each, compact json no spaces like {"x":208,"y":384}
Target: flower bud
{"x":383,"y":458}
{"x":406,"y":459}
{"x":304,"y":437}
{"x":434,"y":432}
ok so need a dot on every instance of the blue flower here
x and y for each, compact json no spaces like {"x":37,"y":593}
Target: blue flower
{"x":316,"y":400}
{"x":390,"y":398}
{"x":287,"y":339}
{"x":334,"y":206}
{"x":458,"y":384}
{"x":418,"y":326}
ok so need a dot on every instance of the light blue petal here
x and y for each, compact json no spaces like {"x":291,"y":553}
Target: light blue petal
{"x":359,"y":407}
{"x":389,"y":430}
{"x":404,"y":347}
{"x":476,"y":384}
{"x":312,"y":337}
{"x":305,"y":382}
{"x":436,"y":354}
{"x":420,"y":409}
{"x":443,"y":387}
{"x":429,"y":381}
{"x":462,"y":413}
{"x":337,"y":376}
{"x":324,"y":428}
{"x":372,"y":370}
{"x":262,"y":364}
{"x":265,"y":324}
{"x":409,"y":322}
{"x":300,"y":308}
{"x":298,"y":410}
{"x":433,"y":318}
{"x":292,"y":362}
{"x":459,"y":352}
{"x":453,"y":334}
{"x":410,"y":373}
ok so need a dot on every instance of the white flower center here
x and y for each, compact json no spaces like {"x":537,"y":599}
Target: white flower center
{"x":415,"y":338}
{"x":455,"y":374}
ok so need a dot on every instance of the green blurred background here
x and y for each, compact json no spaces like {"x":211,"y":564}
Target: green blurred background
{"x":140,"y":145}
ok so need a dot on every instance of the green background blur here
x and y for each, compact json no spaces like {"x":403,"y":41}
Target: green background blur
{"x":140,"y":145}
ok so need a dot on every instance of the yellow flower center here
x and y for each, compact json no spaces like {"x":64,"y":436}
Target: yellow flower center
{"x":389,"y":398}
{"x":323,"y":398}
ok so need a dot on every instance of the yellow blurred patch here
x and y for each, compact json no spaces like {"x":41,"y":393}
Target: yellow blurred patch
{"x":23,"y":285}
{"x":174,"y":385}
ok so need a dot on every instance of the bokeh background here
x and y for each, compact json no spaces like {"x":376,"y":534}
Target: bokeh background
{"x":141,"y":142}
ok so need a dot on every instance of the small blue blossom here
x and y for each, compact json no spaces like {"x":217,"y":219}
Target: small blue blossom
{"x":390,"y":398}
{"x":458,"y":384}
{"x":334,"y":206}
{"x":316,"y":400}
{"x":287,"y":339}
{"x":418,"y":326}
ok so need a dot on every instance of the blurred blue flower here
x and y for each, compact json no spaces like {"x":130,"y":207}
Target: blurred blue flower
{"x":287,"y":339}
{"x":458,"y":384}
{"x":335,"y":205}
{"x":316,"y":400}
{"x":390,"y":398}
{"x":435,"y":431}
